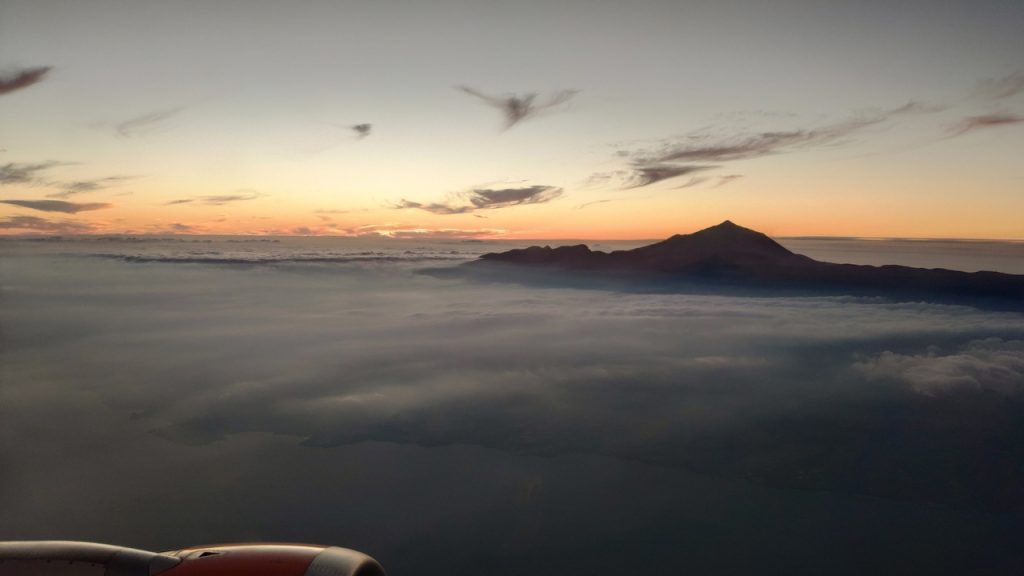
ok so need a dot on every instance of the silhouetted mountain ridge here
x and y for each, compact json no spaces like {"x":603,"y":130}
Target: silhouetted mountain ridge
{"x":734,"y":255}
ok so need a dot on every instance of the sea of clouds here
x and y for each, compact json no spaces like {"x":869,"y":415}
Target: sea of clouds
{"x":441,"y":423}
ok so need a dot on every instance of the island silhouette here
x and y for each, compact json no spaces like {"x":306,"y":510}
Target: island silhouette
{"x":733,"y":257}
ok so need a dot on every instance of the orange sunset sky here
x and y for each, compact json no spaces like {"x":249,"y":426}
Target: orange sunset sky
{"x":585,"y":120}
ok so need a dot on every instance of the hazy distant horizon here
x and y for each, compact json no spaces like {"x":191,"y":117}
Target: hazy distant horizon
{"x":496,"y":238}
{"x":968,"y":255}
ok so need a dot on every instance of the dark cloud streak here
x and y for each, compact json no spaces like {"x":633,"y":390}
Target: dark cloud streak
{"x":22,"y":173}
{"x":913,"y":107}
{"x":362,"y":130}
{"x":592,"y":203}
{"x":216,"y":200}
{"x":723,"y":180}
{"x":145,"y":123}
{"x":517,"y":108}
{"x":676,"y":159}
{"x":695,"y":181}
{"x":22,"y":78}
{"x":82,"y":186}
{"x":980,"y":122}
{"x":767,"y":143}
{"x":58,"y":205}
{"x":487,"y":199}
{"x":645,"y":175}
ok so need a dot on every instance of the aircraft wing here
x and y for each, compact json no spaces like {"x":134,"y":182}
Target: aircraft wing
{"x":66,"y":558}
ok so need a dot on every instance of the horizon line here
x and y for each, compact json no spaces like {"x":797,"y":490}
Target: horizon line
{"x":491,"y":238}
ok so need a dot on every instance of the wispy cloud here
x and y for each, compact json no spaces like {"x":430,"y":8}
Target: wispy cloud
{"x":217,"y":200}
{"x":487,"y":199}
{"x":1001,"y":88}
{"x":766,"y":143}
{"x":140,"y":125}
{"x":517,"y":108}
{"x":82,"y":186}
{"x":692,"y":153}
{"x":973,"y":123}
{"x":25,"y":173}
{"x":34,"y":174}
{"x":37,"y":224}
{"x":362,"y":130}
{"x":435,"y":207}
{"x":695,"y":181}
{"x":22,"y":78}
{"x":58,"y":205}
{"x":913,"y":107}
{"x":403,"y":231}
{"x":592,"y":203}
{"x":503,"y":197}
{"x":723,"y":180}
{"x":645,"y":175}
{"x":329,"y":135}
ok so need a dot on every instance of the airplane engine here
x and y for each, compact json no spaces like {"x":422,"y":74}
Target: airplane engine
{"x":65,"y":558}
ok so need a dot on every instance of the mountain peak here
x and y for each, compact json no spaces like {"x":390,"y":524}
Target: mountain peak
{"x":724,"y":242}
{"x":728,"y":227}
{"x":724,"y":245}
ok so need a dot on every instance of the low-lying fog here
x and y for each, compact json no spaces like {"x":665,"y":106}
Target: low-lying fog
{"x":447,"y":427}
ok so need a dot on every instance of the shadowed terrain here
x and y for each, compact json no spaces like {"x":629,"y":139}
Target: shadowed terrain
{"x":732,"y":256}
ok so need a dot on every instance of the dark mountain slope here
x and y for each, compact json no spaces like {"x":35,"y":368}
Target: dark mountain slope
{"x":737,"y":256}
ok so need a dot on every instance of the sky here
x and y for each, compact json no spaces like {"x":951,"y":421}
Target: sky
{"x":555,"y":119}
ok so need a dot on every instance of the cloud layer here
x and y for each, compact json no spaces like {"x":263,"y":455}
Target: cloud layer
{"x":37,"y":224}
{"x":503,"y":416}
{"x":981,"y":365}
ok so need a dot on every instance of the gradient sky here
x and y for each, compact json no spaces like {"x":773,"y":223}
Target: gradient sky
{"x":871,"y":118}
